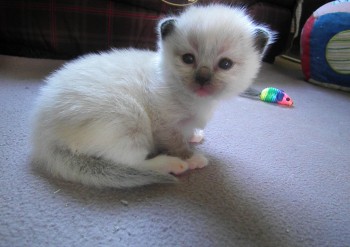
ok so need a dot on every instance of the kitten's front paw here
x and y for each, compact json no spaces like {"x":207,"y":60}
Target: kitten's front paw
{"x":198,"y":136}
{"x":197,"y":161}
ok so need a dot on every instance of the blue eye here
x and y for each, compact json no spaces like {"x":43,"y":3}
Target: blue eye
{"x":225,"y":64}
{"x":188,"y":58}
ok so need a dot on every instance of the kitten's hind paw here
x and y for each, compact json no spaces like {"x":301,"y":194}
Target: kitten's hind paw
{"x":167,"y":164}
{"x":197,"y":161}
{"x":177,"y":166}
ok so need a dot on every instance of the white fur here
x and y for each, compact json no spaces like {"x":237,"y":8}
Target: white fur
{"x":123,"y":105}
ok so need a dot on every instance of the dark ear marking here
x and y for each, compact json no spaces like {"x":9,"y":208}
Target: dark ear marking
{"x":167,"y":27}
{"x":262,"y":38}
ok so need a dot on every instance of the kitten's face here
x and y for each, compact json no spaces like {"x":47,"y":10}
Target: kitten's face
{"x":213,"y":51}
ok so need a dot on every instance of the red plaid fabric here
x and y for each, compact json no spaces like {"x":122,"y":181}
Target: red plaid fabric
{"x":69,"y":28}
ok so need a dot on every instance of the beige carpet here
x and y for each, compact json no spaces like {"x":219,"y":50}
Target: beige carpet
{"x":278,"y":176}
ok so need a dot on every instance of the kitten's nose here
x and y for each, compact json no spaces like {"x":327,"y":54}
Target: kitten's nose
{"x":203,"y":75}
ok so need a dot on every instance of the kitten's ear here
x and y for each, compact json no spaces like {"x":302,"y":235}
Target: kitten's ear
{"x":166,"y":27}
{"x":263,"y":37}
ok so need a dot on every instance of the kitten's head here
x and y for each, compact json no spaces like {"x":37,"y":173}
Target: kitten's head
{"x":212,"y":51}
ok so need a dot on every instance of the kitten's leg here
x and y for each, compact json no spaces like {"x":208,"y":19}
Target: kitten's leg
{"x":173,"y":143}
{"x":180,"y":158}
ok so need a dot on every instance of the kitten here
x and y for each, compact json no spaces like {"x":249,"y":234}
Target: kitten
{"x":123,"y":118}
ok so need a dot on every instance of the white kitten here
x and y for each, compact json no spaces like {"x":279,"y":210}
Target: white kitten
{"x":124,"y":118}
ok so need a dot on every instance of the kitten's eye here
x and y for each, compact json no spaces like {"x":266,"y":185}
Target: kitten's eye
{"x":225,"y":64}
{"x":188,"y":58}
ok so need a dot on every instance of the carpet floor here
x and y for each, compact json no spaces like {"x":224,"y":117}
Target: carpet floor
{"x":278,"y":176}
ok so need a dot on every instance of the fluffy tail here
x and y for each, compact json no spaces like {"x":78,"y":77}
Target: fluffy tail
{"x":98,"y":172}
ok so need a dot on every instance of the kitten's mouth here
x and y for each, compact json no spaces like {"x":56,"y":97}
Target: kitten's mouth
{"x":203,"y":91}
